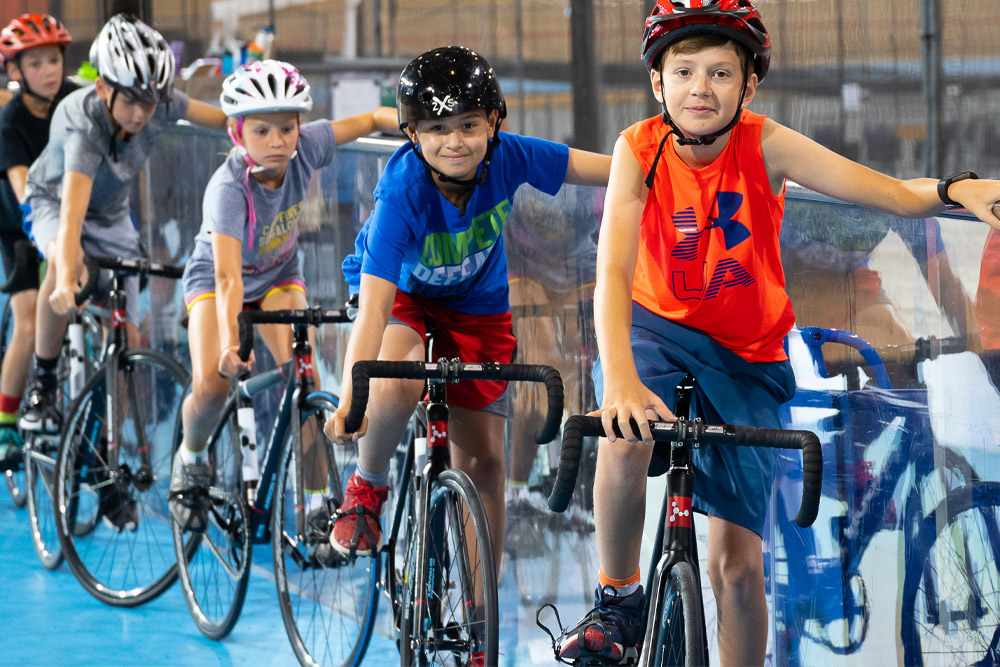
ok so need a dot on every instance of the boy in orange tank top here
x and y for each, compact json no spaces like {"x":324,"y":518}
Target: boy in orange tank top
{"x":689,"y":280}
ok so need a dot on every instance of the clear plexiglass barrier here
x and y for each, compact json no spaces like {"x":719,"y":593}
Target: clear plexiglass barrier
{"x":900,"y":567}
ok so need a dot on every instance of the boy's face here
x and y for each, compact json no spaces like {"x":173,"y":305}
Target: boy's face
{"x":455,"y":145}
{"x":270,"y":138}
{"x":702,"y":89}
{"x":131,"y":114}
{"x":42,"y":66}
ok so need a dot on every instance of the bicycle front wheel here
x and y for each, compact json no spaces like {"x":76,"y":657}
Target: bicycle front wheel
{"x":327,"y":601}
{"x":214,"y":566}
{"x":458,"y":614}
{"x":126,"y":558}
{"x":680,"y":637}
{"x":951,"y":591}
{"x":40,"y":478}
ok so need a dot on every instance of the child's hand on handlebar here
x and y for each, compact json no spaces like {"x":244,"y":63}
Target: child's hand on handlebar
{"x":230,"y":364}
{"x":337,"y":432}
{"x":633,"y":401}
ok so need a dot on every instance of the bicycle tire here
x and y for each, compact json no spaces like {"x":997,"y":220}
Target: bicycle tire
{"x":455,"y":626}
{"x":153,"y":384}
{"x":40,"y":476}
{"x":45,"y":547}
{"x":15,"y":479}
{"x":950,"y":606}
{"x":214,"y":566}
{"x":680,"y":639}
{"x":328,"y":607}
{"x":17,"y":486}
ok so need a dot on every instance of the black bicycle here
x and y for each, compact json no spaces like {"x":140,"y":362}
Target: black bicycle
{"x":674,"y":616}
{"x":114,"y":461}
{"x":444,"y":592}
{"x":79,"y":360}
{"x":251,"y":501}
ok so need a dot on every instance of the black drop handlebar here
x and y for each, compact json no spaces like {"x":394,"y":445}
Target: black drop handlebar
{"x":454,"y":371}
{"x":578,"y":426}
{"x":308,"y":316}
{"x":139,"y":266}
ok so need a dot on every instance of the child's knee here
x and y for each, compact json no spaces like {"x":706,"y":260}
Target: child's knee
{"x":736,"y":573}
{"x":621,"y":459}
{"x":209,"y":394}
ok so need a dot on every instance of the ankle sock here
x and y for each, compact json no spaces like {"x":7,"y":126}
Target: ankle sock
{"x":378,"y":480}
{"x":623,"y":587}
{"x":8,"y":409}
{"x":46,"y":372}
{"x":192,"y":458}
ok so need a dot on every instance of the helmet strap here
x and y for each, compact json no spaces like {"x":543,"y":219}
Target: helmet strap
{"x":468,"y":183}
{"x":706,"y":140}
{"x":115,"y":127}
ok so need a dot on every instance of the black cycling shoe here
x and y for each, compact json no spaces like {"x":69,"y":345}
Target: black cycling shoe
{"x":611,"y":632}
{"x":319,"y":525}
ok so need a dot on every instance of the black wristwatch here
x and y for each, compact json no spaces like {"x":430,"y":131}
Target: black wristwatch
{"x":945,"y":183}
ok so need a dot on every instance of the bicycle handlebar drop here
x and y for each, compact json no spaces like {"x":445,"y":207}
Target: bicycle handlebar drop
{"x":694,"y":432}
{"x":454,"y":371}
{"x":124,"y":267}
{"x":308,"y":316}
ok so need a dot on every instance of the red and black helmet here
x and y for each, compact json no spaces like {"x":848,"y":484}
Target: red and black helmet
{"x":738,"y":20}
{"x":30,"y":30}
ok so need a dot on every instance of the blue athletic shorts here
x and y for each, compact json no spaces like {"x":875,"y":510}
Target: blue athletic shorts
{"x":733,"y":483}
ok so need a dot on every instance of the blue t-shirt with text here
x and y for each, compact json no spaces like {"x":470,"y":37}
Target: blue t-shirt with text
{"x":416,"y":238}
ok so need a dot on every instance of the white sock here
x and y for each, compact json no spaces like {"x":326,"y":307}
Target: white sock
{"x":378,"y":480}
{"x":191,"y":458}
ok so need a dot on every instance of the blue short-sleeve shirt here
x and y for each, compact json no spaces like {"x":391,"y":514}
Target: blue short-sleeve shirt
{"x":416,"y":238}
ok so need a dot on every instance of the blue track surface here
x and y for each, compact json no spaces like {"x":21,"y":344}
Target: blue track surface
{"x":51,"y":620}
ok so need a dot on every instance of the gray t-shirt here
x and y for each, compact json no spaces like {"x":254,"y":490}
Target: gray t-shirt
{"x":80,"y":140}
{"x":272,"y":242}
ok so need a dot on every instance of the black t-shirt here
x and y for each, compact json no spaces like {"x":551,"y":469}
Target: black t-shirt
{"x":22,"y":138}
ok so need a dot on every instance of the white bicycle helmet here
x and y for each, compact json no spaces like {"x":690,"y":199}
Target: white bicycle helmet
{"x":265,"y":86}
{"x":134,"y":58}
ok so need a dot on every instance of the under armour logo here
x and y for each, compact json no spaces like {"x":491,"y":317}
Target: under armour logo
{"x":447,"y":104}
{"x":676,"y":511}
{"x":733,"y":231}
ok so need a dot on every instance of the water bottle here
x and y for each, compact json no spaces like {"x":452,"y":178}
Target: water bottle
{"x":420,"y":455}
{"x":248,"y":447}
{"x":76,"y":355}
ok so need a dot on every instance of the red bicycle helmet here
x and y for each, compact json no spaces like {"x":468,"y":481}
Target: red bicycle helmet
{"x":738,"y":20}
{"x":30,"y":30}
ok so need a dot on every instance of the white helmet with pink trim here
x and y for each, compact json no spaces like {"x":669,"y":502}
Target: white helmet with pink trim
{"x":265,"y":86}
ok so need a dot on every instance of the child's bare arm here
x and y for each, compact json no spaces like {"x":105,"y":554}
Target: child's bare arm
{"x":76,"y":188}
{"x":382,"y":119}
{"x":625,"y":396}
{"x":227,"y":256}
{"x":202,"y":113}
{"x":790,"y":155}
{"x":586,"y":168}
{"x":376,"y":297}
{"x":18,"y":177}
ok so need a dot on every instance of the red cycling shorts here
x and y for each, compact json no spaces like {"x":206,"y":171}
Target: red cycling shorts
{"x":469,"y":337}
